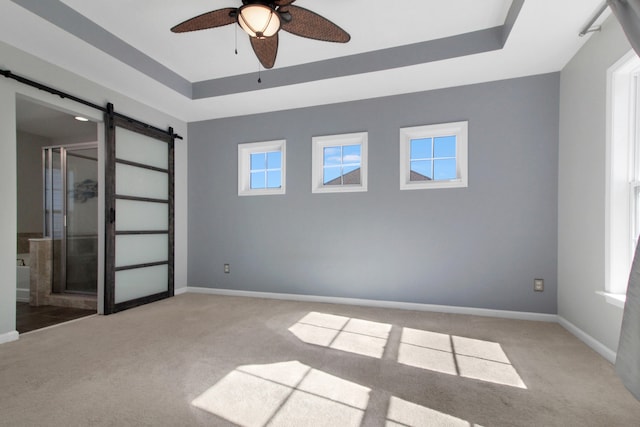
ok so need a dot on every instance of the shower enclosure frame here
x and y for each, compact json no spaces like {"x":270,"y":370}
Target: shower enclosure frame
{"x":48,"y":213}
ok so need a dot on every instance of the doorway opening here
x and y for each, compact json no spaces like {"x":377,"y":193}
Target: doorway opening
{"x":57,"y":211}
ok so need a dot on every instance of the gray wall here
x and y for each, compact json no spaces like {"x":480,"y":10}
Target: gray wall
{"x":29,"y":170}
{"x":581,"y":221}
{"x":477,"y":247}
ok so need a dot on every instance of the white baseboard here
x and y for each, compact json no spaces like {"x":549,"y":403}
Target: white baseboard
{"x":9,"y":336}
{"x":180,"y":291}
{"x":22,"y":295}
{"x":541,"y":317}
{"x":591,"y":342}
{"x":595,"y":345}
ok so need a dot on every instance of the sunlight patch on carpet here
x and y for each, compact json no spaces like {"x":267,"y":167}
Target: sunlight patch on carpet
{"x":285,"y":394}
{"x":454,"y":355}
{"x":403,"y":413}
{"x":433,"y":351}
{"x":357,"y":336}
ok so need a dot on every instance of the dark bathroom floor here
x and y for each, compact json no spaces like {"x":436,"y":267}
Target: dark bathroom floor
{"x":30,"y":318}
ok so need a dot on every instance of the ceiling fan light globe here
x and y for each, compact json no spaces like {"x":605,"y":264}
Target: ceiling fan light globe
{"x":259,"y":20}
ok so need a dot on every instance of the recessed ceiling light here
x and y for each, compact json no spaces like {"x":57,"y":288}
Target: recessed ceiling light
{"x":81,"y":119}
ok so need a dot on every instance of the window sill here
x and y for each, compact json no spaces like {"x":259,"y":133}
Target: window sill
{"x":614,"y":299}
{"x":339,"y":189}
{"x":261,"y":192}
{"x":427,"y":185}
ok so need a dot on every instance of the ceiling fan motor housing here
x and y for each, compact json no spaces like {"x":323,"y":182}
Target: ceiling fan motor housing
{"x":259,"y":18}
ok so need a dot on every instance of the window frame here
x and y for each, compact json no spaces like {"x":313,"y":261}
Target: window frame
{"x":319,"y":143}
{"x":622,"y":172}
{"x":458,"y":129}
{"x":245,"y":151}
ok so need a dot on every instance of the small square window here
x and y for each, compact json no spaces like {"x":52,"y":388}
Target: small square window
{"x":261,"y":168}
{"x":339,"y":163}
{"x":433,"y":156}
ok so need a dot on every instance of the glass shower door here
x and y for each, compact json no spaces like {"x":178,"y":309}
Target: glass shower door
{"x":81,"y":230}
{"x":71,"y":216}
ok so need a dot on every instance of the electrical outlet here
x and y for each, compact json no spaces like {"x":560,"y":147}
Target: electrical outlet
{"x":538,"y":285}
{"x":227,"y":268}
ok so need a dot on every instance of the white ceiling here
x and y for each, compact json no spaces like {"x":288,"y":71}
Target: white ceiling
{"x":543,"y":39}
{"x":208,"y":54}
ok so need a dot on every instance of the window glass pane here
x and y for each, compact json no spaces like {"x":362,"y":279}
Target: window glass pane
{"x":444,"y":146}
{"x":258,"y":180}
{"x":350,"y":168}
{"x":352,"y":177}
{"x":342,"y":165}
{"x":332,"y":175}
{"x":421,"y":148}
{"x":636,"y":125}
{"x":258,"y":161}
{"x":351,"y":155}
{"x":274,"y":160}
{"x":332,"y":156}
{"x":274,"y":179}
{"x":636,"y":219}
{"x":444,"y":169}
{"x":421,"y":170}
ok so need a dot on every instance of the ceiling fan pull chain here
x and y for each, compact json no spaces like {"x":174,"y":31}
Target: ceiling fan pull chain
{"x":236,"y":27}
{"x":259,"y":79}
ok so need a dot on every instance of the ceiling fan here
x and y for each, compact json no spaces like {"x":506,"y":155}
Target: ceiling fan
{"x":262,"y":20}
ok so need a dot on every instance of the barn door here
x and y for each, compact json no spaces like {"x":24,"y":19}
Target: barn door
{"x":139,"y":222}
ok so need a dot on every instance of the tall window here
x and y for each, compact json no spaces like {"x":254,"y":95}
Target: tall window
{"x":634,"y":150}
{"x":433,"y":156}
{"x":339,"y":163}
{"x":261,"y":168}
{"x":623,"y":171}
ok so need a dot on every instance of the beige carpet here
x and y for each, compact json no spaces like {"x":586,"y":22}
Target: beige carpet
{"x":206,"y":360}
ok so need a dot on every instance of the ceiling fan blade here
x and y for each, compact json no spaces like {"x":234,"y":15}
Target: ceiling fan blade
{"x":283,"y":2}
{"x":213,"y":19}
{"x":306,"y":23}
{"x":266,"y":50}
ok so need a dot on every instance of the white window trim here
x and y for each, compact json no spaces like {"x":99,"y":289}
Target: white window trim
{"x":618,"y":221}
{"x":617,"y":300}
{"x":319,"y":143}
{"x":244,"y":167}
{"x":459,"y":129}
